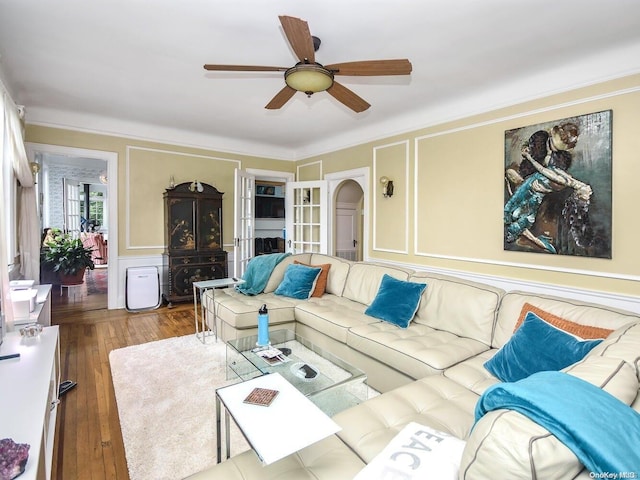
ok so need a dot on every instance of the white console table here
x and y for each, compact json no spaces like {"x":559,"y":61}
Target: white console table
{"x":29,"y":398}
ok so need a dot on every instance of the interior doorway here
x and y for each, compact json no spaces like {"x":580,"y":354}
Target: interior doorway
{"x":95,"y":172}
{"x":349,"y":213}
{"x":348,"y":221}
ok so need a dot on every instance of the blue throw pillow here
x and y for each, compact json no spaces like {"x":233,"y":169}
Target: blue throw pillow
{"x":535,"y":347}
{"x":298,"y":282}
{"x":396,"y":301}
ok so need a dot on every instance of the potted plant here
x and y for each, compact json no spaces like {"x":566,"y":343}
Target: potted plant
{"x":68,"y":257}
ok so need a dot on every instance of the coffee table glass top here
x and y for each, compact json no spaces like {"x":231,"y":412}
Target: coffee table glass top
{"x":330,"y":382}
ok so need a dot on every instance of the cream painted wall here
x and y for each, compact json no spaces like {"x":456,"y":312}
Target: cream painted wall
{"x":144,"y":172}
{"x":457,"y":168}
{"x":391,"y":213}
{"x":309,"y":171}
{"x":447,"y":208}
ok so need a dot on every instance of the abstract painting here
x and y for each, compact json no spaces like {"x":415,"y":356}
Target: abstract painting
{"x":557,"y":187}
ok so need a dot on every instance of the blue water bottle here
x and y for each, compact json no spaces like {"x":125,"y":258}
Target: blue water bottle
{"x":263,"y":327}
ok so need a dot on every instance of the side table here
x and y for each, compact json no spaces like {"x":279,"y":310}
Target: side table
{"x":289,"y":424}
{"x":199,"y":289}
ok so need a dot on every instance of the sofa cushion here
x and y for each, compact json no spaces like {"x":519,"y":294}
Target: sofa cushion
{"x":338,"y":272}
{"x":332,"y":315}
{"x":464,"y":308}
{"x":328,"y":459}
{"x":611,"y":374}
{"x":364,"y":280}
{"x":435,"y":401}
{"x":583,"y":331}
{"x":299,"y":281}
{"x":416,"y":453}
{"x":415,"y":351}
{"x":321,"y":281}
{"x":621,"y":344}
{"x":573,"y":310}
{"x":526,"y":450}
{"x":396,"y":301}
{"x":537,"y":346}
{"x":471,"y":373}
{"x":241,"y":311}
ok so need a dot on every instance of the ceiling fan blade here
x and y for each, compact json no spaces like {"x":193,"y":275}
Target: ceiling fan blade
{"x":299,"y":36}
{"x":243,"y":68}
{"x":347,"y":97}
{"x":282,"y":97}
{"x":372,"y":67}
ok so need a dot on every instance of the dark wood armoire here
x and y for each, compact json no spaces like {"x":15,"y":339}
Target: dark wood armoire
{"x":193,"y":238}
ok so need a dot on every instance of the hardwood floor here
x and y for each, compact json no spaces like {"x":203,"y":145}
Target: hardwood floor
{"x":88,"y":441}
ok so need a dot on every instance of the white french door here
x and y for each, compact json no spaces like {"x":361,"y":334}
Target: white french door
{"x":71,"y":204}
{"x":307,"y":217}
{"x":244,"y":221}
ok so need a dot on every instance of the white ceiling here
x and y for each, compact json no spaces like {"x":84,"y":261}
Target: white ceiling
{"x":134,"y":67}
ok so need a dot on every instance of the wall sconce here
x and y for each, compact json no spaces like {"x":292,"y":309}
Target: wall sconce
{"x":196,"y":185}
{"x":387,"y":186}
{"x":103,"y":177}
{"x":35,"y":168}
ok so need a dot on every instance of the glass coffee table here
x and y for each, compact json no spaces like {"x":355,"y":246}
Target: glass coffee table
{"x":328,"y":381}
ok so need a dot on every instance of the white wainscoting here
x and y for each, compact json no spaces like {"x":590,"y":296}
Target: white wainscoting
{"x":148,"y":261}
{"x":624,"y":302}
{"x":137,"y":261}
{"x":612,"y":300}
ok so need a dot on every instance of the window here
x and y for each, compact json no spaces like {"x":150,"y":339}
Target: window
{"x":97,"y":206}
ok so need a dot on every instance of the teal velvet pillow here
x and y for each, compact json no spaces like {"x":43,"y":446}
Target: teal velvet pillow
{"x":298,"y":282}
{"x":396,"y":301}
{"x":534,"y":347}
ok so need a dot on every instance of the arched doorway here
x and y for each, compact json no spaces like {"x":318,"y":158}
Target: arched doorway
{"x":348,"y":206}
{"x":350,"y":187}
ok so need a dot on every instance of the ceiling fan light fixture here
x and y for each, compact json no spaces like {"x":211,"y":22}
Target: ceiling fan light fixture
{"x":308,"y":78}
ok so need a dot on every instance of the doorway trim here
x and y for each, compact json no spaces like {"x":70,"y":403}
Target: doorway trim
{"x":112,"y":188}
{"x":272,"y":175}
{"x":361,"y":177}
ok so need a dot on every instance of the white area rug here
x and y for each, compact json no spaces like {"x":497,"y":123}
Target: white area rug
{"x":165,"y":392}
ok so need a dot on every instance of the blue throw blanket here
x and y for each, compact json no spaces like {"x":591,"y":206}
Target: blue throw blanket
{"x":602,"y":431}
{"x":258,"y":272}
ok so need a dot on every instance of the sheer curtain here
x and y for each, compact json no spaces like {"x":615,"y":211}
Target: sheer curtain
{"x":28,"y":220}
{"x":13,"y":152}
{"x":7,"y":315}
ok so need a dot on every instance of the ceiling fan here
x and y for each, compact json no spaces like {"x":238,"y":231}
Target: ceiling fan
{"x":309,"y":76}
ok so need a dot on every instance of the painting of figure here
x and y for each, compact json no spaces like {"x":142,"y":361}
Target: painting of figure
{"x":557,"y":194}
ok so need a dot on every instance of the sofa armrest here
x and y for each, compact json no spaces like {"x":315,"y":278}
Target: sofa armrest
{"x":525,"y":450}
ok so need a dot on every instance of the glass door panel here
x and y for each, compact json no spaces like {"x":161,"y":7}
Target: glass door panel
{"x":244,"y":222}
{"x":71,"y":203}
{"x":308,"y":202}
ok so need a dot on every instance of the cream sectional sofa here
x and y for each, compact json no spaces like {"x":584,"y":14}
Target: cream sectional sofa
{"x":431,"y":373}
